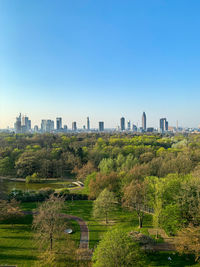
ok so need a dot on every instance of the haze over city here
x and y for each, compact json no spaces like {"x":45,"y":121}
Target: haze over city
{"x":102,"y":59}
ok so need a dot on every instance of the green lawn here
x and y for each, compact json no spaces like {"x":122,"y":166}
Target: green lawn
{"x":17,"y":244}
{"x":119,"y":218}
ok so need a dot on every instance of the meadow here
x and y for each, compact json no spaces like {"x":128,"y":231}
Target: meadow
{"x":17,"y":245}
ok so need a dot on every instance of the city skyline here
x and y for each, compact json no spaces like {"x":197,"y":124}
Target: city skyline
{"x":23,"y":124}
{"x":103,"y":59}
{"x":123,"y":123}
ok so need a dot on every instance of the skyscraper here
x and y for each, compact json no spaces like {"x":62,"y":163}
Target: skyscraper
{"x":47,"y":126}
{"x":101,"y":126}
{"x":25,"y":124}
{"x":58,"y":124}
{"x":122,"y":124}
{"x":144,"y":121}
{"x":18,"y":124}
{"x":88,"y":123}
{"x":129,"y":125}
{"x":36,"y":129}
{"x":74,"y":126}
{"x":163,"y":125}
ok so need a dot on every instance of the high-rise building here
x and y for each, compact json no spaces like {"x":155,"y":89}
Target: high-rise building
{"x":65,"y":128}
{"x":129,"y":125}
{"x":101,"y":126}
{"x":18,"y":124}
{"x":36,"y":129}
{"x":122,"y":124}
{"x":144,"y":121}
{"x":134,"y":128}
{"x":29,"y":125}
{"x":74,"y":126}
{"x":26,"y":124}
{"x":47,"y":126}
{"x":88,"y":123}
{"x":163,"y":125}
{"x":58,"y":124}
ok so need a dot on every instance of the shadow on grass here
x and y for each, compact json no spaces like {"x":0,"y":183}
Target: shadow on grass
{"x":17,"y":237}
{"x":17,"y":257}
{"x":170,"y":259}
{"x":16,"y":248}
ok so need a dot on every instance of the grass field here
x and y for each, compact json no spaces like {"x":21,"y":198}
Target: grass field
{"x":17,"y":244}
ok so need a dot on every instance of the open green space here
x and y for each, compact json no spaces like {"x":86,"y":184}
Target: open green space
{"x":17,"y":245}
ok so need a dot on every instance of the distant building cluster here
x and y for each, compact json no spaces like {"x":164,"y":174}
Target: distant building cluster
{"x":23,"y":125}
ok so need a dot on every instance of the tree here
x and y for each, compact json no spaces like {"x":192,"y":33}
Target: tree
{"x":83,"y":172}
{"x":64,"y":254}
{"x":27,"y":164}
{"x":135,"y":198}
{"x":47,"y":221}
{"x":104,"y":205}
{"x":188,"y":241}
{"x":10,"y":210}
{"x":157,"y":214}
{"x":117,"y":249}
{"x":106,"y":165}
{"x":101,"y":181}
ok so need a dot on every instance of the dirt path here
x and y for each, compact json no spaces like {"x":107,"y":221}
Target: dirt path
{"x":84,"y":240}
{"x":168,"y":244}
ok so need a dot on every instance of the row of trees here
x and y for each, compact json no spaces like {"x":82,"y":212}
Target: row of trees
{"x":51,"y":155}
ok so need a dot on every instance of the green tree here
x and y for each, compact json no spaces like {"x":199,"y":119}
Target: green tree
{"x":187,"y":241}
{"x":117,"y":249}
{"x":135,"y":198}
{"x":104,"y":205}
{"x":106,"y":165}
{"x":47,"y":221}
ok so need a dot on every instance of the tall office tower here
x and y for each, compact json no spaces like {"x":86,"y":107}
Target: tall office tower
{"x":134,"y":128}
{"x":65,"y":128}
{"x":58,"y":124}
{"x":88,"y":123}
{"x":101,"y":126}
{"x":18,"y":124}
{"x":122,"y":124}
{"x":36,"y":129}
{"x":74,"y":126}
{"x":25,"y":124}
{"x":29,"y":125}
{"x":47,"y":126}
{"x":163,"y":125}
{"x":144,"y":121}
{"x":129,"y":125}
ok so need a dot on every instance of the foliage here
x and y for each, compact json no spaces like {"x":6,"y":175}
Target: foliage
{"x":104,"y":205}
{"x":117,"y":249}
{"x":48,"y":223}
{"x":135,"y":198}
{"x":10,"y":210}
{"x":188,"y":241}
{"x":32,"y":178}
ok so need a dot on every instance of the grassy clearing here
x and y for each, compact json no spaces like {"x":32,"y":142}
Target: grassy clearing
{"x":17,"y":244}
{"x":120,"y":218}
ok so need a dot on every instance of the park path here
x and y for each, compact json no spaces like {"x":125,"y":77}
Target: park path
{"x":167,"y":245}
{"x":84,"y":240}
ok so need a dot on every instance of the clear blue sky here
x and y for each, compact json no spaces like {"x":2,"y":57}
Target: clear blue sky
{"x":100,"y":58}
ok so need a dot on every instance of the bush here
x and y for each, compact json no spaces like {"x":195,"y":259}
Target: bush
{"x":32,"y":178}
{"x":43,"y":194}
{"x":31,"y":196}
